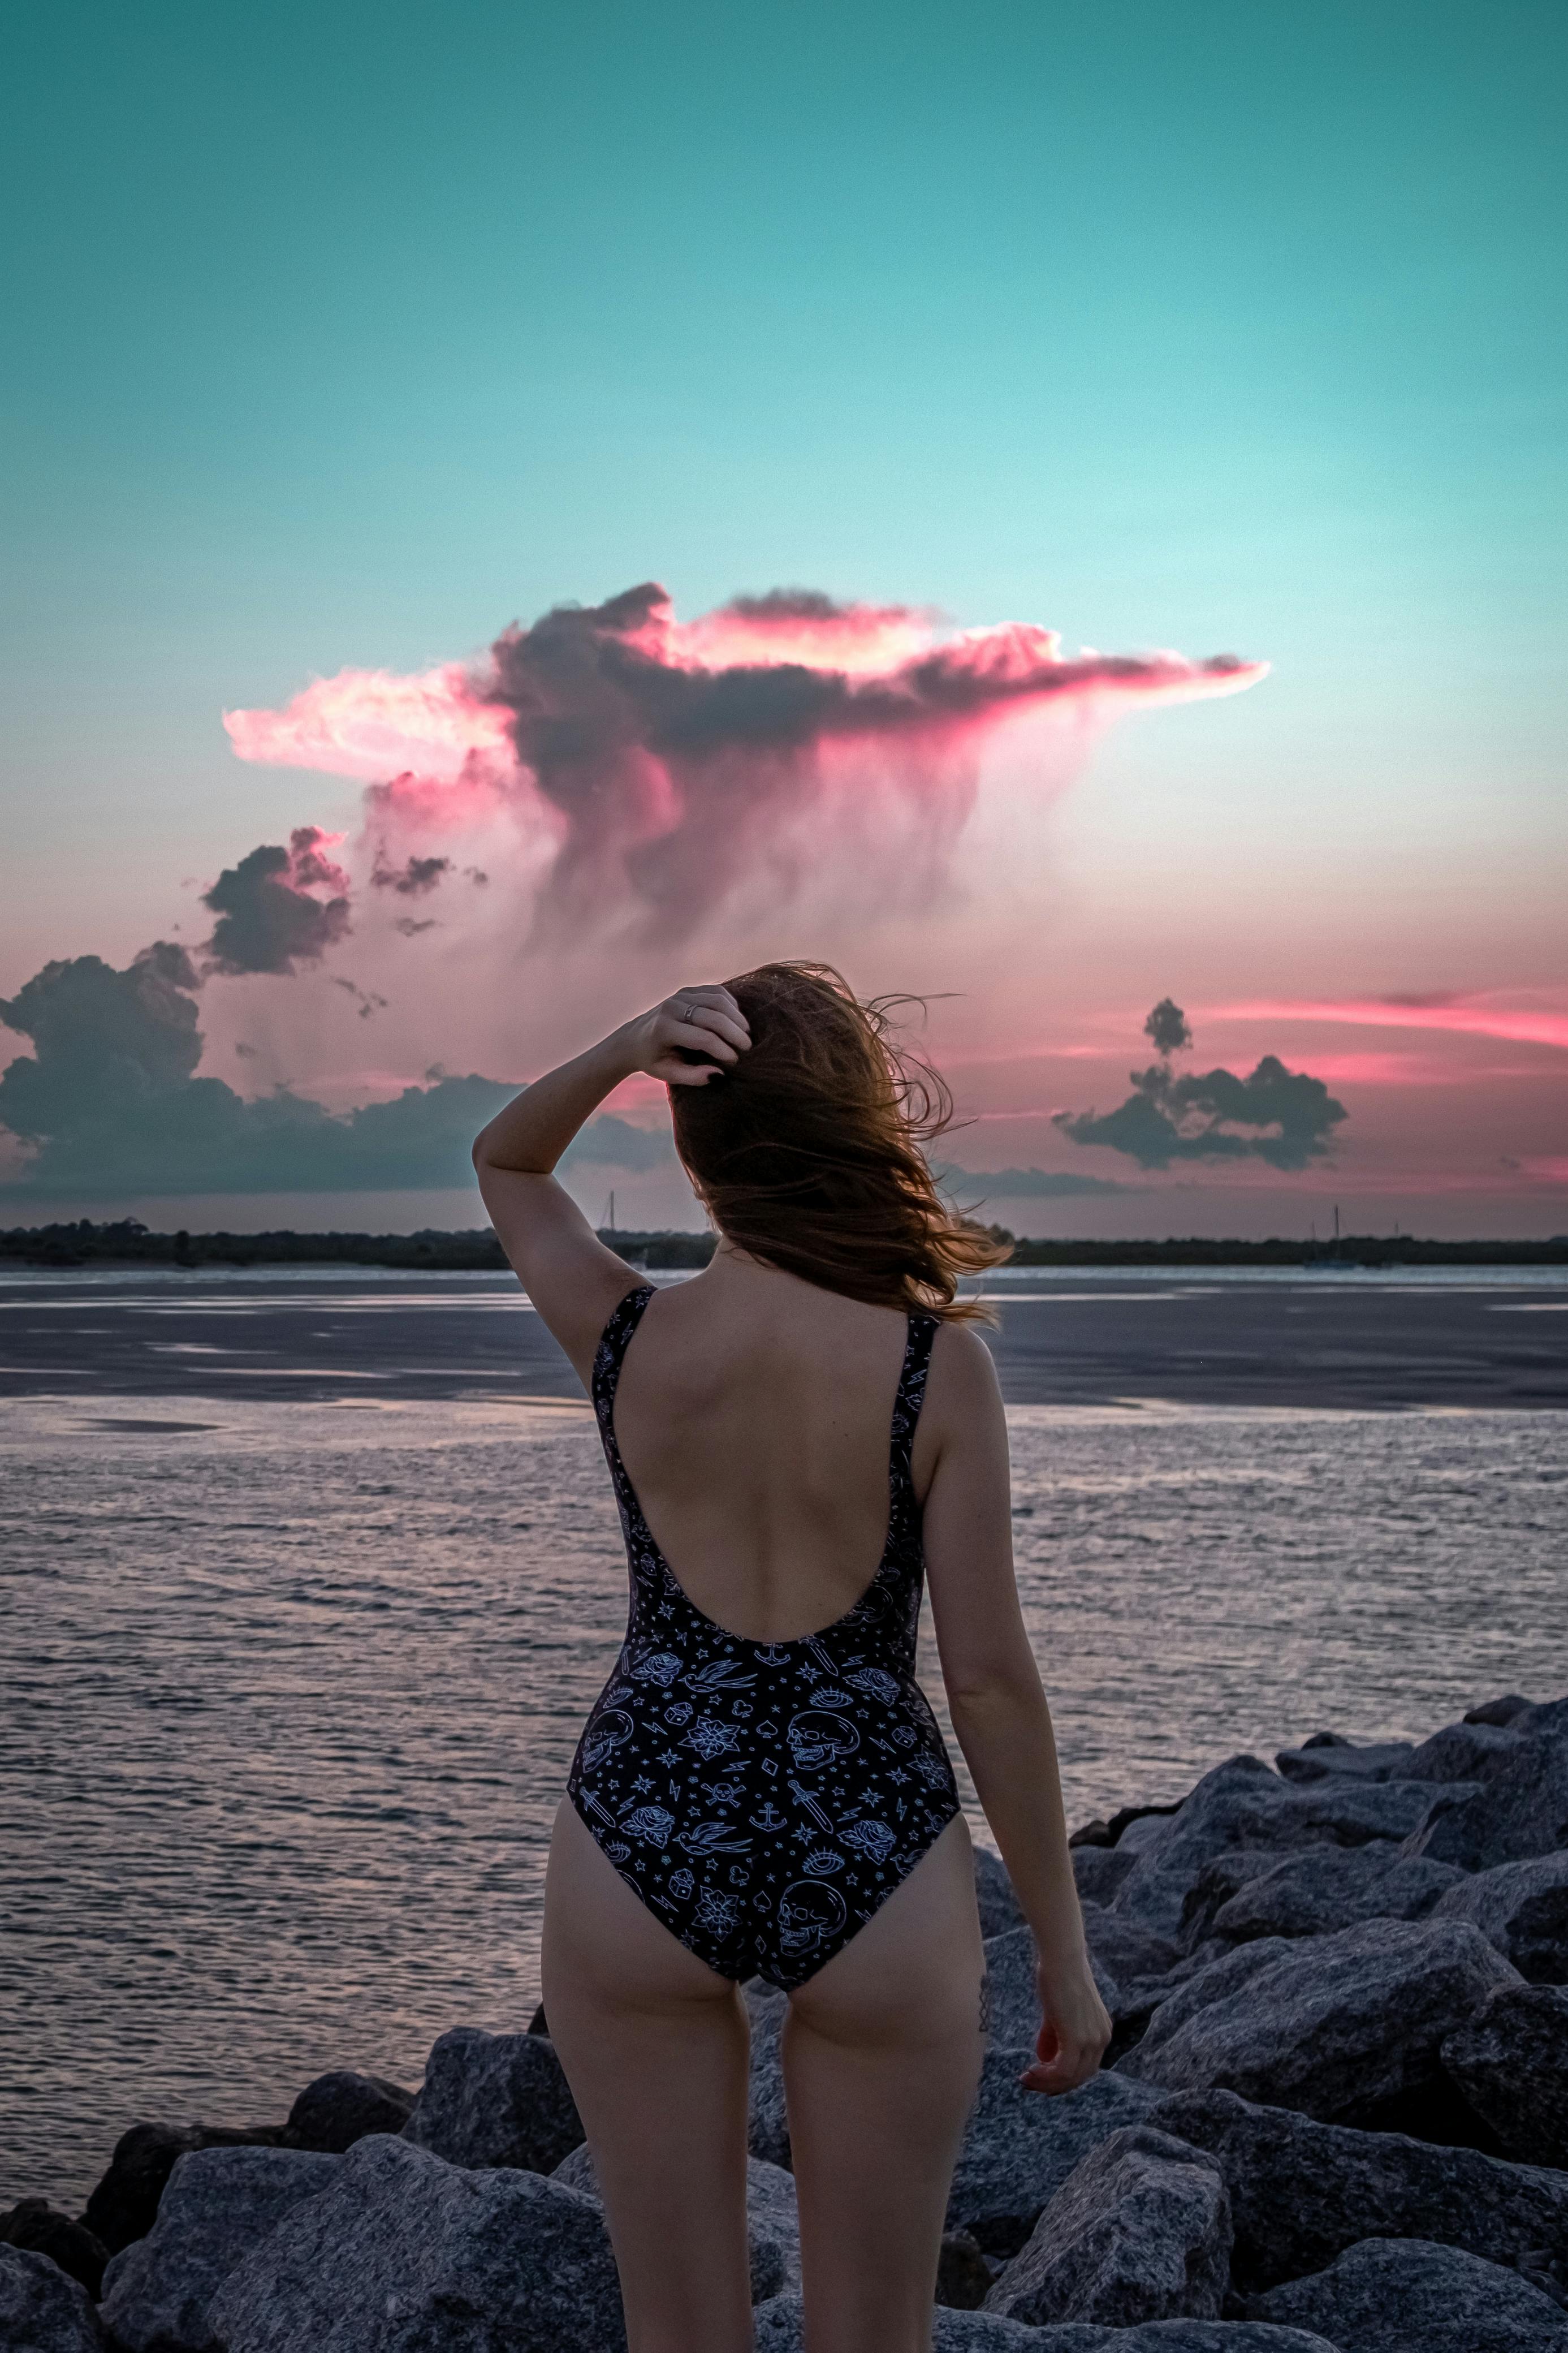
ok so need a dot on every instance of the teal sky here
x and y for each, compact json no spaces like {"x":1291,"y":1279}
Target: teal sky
{"x":340,"y":335}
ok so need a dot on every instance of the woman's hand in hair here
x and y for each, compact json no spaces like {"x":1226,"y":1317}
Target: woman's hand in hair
{"x":1074,"y":2034}
{"x":684,"y":1039}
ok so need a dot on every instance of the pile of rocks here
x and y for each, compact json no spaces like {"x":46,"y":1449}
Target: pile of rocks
{"x":1333,"y":2118}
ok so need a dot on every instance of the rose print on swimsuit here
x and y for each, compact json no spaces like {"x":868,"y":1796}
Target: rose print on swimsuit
{"x":833,"y":1781}
{"x":874,"y":1839}
{"x":653,"y":1823}
{"x":657,"y":1667}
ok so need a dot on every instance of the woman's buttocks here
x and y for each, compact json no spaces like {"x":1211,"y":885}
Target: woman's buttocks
{"x":755,"y":1430}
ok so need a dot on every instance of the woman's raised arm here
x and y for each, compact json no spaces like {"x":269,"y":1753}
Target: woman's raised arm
{"x":998,"y":1708}
{"x":572,"y":1279}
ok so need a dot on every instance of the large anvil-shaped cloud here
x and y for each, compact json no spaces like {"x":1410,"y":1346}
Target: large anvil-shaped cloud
{"x":661,"y":759}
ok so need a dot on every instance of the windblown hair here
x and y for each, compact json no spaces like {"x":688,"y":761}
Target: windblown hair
{"x":808,"y":1151}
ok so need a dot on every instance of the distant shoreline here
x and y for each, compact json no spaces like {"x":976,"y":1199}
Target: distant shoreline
{"x":128,"y":1243}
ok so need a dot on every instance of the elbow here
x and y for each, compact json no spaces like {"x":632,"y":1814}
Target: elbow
{"x":989,"y":1694}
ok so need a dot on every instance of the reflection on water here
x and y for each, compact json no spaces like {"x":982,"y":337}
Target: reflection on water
{"x":292,"y":1691}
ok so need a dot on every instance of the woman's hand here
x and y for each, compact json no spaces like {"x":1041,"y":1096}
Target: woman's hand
{"x":1073,"y":2037}
{"x":705,"y":1022}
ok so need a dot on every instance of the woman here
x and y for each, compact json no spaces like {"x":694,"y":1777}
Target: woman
{"x":762,"y":1788}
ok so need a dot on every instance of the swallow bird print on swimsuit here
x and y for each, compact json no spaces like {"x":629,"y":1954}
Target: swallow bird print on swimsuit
{"x":762,"y":1799}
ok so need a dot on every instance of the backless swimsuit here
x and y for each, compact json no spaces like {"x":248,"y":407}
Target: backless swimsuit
{"x":762,"y":1799}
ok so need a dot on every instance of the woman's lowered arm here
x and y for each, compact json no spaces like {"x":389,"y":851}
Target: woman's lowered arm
{"x":998,"y":1708}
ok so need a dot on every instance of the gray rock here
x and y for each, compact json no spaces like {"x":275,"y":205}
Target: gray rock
{"x":778,"y":2326}
{"x":1408,"y":2296}
{"x":1332,"y":2026}
{"x":779,"y":2330}
{"x":767,"y":2126}
{"x":1020,"y":2147}
{"x":42,"y":2311}
{"x":1521,"y":1908}
{"x":1147,"y":1829}
{"x":963,"y":2272}
{"x":1172,"y":2336}
{"x":1225,"y":1875}
{"x":772,"y":2219}
{"x":495,"y":2099}
{"x":1099,"y":1872}
{"x":1302,"y":2192}
{"x":35,"y":2224}
{"x":406,"y":2253}
{"x":1141,"y":2231}
{"x":1498,"y":1711}
{"x":1511,"y":2062}
{"x":1242,"y":1804}
{"x":125,"y":2200}
{"x":1329,"y":1887}
{"x":1015,"y":2003}
{"x":1124,"y":1948}
{"x":998,"y":1905}
{"x":219,"y":2203}
{"x":1546,"y":1715}
{"x":1519,"y":1809}
{"x":1378,"y":1760}
{"x":1462,"y":1752}
{"x":340,"y":2108}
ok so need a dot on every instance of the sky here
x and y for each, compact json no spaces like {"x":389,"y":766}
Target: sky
{"x":351,"y":345}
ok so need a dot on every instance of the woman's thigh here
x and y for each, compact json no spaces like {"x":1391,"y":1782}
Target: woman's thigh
{"x":882,"y":2052}
{"x":653,"y":2043}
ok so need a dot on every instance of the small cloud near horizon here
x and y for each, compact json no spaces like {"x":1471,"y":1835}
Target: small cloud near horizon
{"x":1284,"y":1118}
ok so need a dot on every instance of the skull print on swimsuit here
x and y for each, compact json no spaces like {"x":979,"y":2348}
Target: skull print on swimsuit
{"x":762,"y":1799}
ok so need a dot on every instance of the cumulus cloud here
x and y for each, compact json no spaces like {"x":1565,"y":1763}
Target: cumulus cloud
{"x":269,"y":918}
{"x":1282,"y":1117}
{"x":107,"y":1105}
{"x":651,"y":766}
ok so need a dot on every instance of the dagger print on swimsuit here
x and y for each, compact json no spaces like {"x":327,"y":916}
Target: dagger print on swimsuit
{"x":762,"y":1799}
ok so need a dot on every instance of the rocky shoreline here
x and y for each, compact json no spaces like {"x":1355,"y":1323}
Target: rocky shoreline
{"x":1333,"y":2118}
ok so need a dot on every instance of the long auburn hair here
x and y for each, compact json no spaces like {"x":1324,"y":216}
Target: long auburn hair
{"x":807,"y":1151}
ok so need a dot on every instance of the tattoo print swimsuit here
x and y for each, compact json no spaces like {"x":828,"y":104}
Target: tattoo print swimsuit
{"x":762,"y":1799}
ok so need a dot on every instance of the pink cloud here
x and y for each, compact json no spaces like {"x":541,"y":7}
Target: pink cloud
{"x":652,"y":764}
{"x":371,"y":723}
{"x":1477,"y":1016}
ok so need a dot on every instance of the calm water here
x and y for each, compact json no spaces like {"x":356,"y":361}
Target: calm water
{"x":290,"y":1693}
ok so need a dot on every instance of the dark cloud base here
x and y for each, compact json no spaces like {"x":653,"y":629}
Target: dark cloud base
{"x":109,"y":1106}
{"x":1285,"y":1118}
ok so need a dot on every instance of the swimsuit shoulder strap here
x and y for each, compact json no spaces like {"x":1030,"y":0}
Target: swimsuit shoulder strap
{"x":611,"y":1351}
{"x":907,"y":1404}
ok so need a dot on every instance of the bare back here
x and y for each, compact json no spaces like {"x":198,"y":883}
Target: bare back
{"x":753,"y":1416}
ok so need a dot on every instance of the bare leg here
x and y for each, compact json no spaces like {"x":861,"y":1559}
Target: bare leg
{"x":881,"y":2055}
{"x":653,"y":2043}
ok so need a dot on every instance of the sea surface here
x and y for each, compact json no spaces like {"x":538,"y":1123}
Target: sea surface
{"x":292,"y":1658}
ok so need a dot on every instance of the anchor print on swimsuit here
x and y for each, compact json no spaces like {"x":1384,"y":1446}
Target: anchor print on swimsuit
{"x":762,"y":1799}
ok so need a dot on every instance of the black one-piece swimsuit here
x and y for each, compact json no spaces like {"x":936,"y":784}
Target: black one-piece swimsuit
{"x":762,"y":1799}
